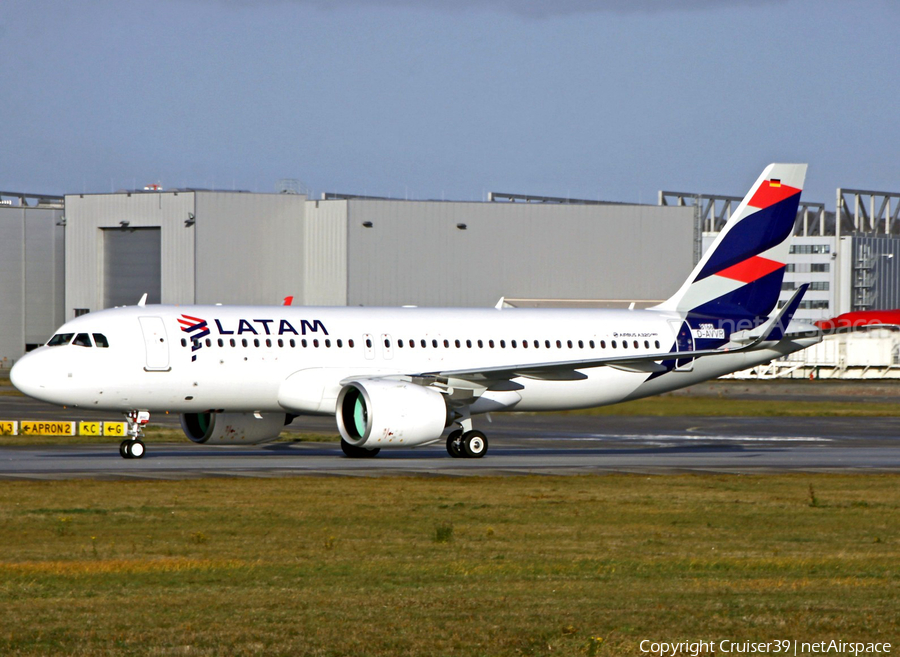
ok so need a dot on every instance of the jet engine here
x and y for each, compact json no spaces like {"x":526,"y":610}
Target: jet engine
{"x":374,"y":413}
{"x":232,"y":428}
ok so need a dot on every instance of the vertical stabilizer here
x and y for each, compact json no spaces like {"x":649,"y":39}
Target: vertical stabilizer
{"x":740,"y":275}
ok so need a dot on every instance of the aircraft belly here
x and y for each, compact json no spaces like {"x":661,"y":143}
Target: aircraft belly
{"x":601,"y":386}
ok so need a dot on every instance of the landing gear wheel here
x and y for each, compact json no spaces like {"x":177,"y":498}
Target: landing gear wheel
{"x":131,"y":449}
{"x":454,"y":444}
{"x":136,"y":449}
{"x":355,"y":452}
{"x":474,"y":444}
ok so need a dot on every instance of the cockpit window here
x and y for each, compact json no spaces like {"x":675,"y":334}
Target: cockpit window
{"x":82,"y":340}
{"x":60,"y":339}
{"x":100,"y":340}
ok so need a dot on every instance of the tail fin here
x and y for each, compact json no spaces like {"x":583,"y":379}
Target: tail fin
{"x":740,"y":275}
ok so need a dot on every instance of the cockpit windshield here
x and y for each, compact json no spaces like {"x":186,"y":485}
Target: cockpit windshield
{"x":60,"y":339}
{"x":80,"y":340}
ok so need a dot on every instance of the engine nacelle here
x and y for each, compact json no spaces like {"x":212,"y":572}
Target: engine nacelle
{"x":382,"y":413}
{"x":232,"y":428}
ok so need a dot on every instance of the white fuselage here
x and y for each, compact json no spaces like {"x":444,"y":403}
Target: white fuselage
{"x":293,"y":359}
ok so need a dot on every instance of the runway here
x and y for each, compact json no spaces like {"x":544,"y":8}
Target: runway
{"x":554,"y":443}
{"x":520,"y":444}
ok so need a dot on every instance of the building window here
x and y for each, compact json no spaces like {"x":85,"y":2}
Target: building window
{"x":81,"y":311}
{"x":810,"y":248}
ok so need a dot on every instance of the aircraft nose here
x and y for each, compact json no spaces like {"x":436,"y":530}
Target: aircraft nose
{"x":25,"y":377}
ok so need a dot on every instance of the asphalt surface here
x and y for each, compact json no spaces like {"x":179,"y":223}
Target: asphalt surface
{"x":519,"y":444}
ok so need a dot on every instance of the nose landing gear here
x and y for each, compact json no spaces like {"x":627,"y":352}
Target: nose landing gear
{"x":133,"y":447}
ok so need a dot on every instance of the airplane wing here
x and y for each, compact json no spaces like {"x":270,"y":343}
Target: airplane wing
{"x":774,"y":329}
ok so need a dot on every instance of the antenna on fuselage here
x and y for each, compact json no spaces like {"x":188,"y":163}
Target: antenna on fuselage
{"x":143,"y":301}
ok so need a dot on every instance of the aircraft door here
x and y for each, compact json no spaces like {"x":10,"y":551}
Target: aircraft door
{"x":684,"y":341}
{"x":156,"y":344}
{"x":387,"y":349}
{"x":435,"y":348}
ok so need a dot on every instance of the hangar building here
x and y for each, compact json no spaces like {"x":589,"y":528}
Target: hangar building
{"x":196,"y":246}
{"x":32,"y":245}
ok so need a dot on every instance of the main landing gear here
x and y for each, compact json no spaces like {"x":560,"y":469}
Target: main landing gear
{"x":467,"y":442}
{"x":133,"y":447}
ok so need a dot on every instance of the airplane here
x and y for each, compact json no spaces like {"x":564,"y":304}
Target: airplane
{"x":400,"y":377}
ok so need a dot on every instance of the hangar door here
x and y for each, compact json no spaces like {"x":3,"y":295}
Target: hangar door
{"x":131,"y":266}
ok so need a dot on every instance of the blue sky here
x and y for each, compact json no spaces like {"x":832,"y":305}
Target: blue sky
{"x":610,"y":99}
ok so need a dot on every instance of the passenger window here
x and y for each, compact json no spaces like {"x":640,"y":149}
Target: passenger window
{"x":569,"y":344}
{"x":513,"y":343}
{"x":280,"y":342}
{"x":232,"y":342}
{"x":399,"y":343}
{"x":208,"y":342}
{"x":581,"y":344}
{"x":591,"y":343}
{"x":183,"y":342}
{"x":412,"y":344}
{"x":423,"y":343}
{"x":434,"y":344}
{"x":350,"y":343}
{"x":456,"y":342}
{"x":624,"y":344}
{"x":292,"y":343}
{"x":469,"y":344}
{"x":657,"y":344}
{"x":446,"y":344}
{"x":368,"y":343}
{"x":255,"y":342}
{"x":613,"y":344}
{"x":60,"y":339}
{"x":636,"y":345}
{"x":646,"y":344}
{"x":327,"y":342}
{"x":100,"y":340}
{"x":491,"y":344}
{"x":221,"y":342}
{"x":303,"y":343}
{"x":82,"y":340}
{"x":558,"y":344}
{"x":480,"y":344}
{"x":316,"y":343}
{"x":503,"y":344}
{"x":243,"y":342}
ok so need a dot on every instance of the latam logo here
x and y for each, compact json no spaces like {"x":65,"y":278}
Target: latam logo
{"x":198,"y":328}
{"x":267,"y":327}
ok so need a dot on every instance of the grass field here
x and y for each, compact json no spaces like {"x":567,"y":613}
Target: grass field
{"x":435,"y":566}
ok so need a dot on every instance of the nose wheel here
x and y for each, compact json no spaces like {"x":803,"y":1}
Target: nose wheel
{"x":133,"y":447}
